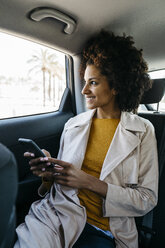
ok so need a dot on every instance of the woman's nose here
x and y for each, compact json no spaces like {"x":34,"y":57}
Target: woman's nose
{"x":85,"y":89}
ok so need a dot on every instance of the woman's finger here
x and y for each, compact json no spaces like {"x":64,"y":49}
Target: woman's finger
{"x":46,"y":153}
{"x":58,"y":169}
{"x":59,"y":162}
{"x":60,"y":179}
{"x":29,"y":154}
{"x":41,"y":167}
{"x":37,"y":161}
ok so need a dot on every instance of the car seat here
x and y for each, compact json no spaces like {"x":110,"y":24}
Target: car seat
{"x":8,"y":192}
{"x":150,"y":226}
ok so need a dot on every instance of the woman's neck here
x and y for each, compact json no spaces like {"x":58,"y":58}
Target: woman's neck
{"x":114,"y":114}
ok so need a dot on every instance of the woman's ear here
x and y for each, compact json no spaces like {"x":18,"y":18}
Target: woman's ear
{"x":114,"y":92}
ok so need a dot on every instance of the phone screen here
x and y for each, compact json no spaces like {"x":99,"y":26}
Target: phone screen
{"x":31,"y":146}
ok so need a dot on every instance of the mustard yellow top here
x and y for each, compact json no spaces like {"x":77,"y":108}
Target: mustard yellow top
{"x":101,"y":134}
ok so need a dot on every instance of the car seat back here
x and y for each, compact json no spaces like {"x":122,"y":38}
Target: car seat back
{"x":149,"y":226}
{"x":8,"y":192}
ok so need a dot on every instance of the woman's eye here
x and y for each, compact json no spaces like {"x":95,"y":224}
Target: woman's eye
{"x":93,"y":83}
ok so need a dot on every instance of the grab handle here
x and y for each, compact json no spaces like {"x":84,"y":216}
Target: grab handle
{"x":40,"y":14}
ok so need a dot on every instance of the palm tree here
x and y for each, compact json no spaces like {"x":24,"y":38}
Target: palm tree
{"x":40,"y":62}
{"x":46,"y":62}
{"x":57,"y":71}
{"x":52,"y":61}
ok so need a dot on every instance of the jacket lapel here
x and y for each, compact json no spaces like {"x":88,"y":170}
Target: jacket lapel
{"x":124,"y":142}
{"x":122,"y":145}
{"x":77,"y":138}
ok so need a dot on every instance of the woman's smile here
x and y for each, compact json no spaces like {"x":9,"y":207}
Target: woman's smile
{"x":89,"y":98}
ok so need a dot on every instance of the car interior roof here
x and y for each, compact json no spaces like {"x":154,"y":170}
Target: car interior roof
{"x":144,"y":20}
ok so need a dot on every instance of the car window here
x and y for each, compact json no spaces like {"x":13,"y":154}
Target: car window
{"x":158,"y":74}
{"x":32,"y":77}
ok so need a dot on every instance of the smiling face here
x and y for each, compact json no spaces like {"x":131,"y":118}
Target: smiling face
{"x":98,"y":93}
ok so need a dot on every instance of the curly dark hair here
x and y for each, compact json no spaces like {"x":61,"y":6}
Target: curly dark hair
{"x":123,"y":65}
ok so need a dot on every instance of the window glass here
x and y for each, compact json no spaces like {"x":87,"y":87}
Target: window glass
{"x":32,"y":77}
{"x":153,"y":107}
{"x":157,"y":75}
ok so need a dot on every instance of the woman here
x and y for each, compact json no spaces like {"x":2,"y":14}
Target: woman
{"x":107,"y":170}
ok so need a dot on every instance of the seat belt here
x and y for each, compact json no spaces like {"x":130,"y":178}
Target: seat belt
{"x":147,"y":222}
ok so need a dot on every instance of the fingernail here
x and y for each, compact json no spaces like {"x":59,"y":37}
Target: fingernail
{"x":43,"y":169}
{"x":41,"y":159}
{"x":56,"y":174}
{"x":45,"y":159}
{"x":32,"y":155}
{"x":48,"y":164}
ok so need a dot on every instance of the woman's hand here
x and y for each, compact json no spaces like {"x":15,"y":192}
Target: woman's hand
{"x":68,"y":175}
{"x":63,"y":173}
{"x":40,"y":166}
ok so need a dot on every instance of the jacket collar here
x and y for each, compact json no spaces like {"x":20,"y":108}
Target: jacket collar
{"x":128,"y":121}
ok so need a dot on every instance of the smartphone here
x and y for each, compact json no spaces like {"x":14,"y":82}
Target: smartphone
{"x":32,"y":147}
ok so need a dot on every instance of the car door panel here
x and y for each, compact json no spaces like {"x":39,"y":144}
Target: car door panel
{"x":45,"y":130}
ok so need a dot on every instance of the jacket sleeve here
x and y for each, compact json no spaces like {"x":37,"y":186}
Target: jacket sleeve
{"x":136,"y":200}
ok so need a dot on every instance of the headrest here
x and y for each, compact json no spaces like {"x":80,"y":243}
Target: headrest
{"x":155,"y":94}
